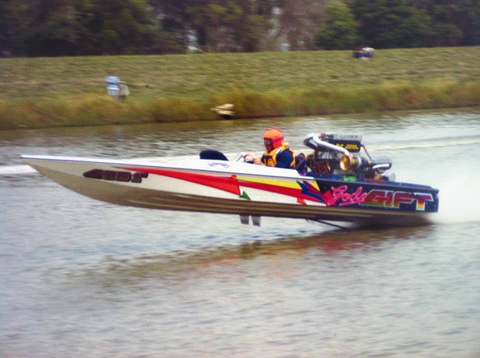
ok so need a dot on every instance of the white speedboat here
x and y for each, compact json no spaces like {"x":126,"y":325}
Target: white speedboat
{"x":335,"y":184}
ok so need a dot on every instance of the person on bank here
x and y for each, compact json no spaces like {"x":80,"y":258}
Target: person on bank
{"x":278,"y":153}
{"x":113,"y":85}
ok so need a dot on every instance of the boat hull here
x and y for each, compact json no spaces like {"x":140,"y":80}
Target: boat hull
{"x":240,"y":188}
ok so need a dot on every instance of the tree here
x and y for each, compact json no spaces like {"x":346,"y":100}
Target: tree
{"x":339,"y":32}
{"x":120,"y":27}
{"x":217,"y":25}
{"x":468,"y":21}
{"x":446,"y":35}
{"x":51,"y":28}
{"x":251,"y":33}
{"x":174,"y":18}
{"x":453,"y":23}
{"x":251,"y":27}
{"x":298,"y":21}
{"x":391,"y":23}
{"x":13,"y":26}
{"x":90,"y":27}
{"x":213,"y":24}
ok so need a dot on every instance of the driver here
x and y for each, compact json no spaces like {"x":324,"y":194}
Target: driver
{"x":278,"y":153}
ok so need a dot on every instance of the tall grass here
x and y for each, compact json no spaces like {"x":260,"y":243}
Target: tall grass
{"x":103,"y":110}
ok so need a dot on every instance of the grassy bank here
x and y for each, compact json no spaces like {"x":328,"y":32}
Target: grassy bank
{"x":102,"y":110}
{"x":70,"y":91}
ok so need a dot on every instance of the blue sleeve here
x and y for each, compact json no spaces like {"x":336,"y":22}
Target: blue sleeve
{"x":284,"y":159}
{"x":112,"y":80}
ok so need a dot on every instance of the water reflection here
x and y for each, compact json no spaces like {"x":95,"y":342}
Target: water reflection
{"x":179,"y":263}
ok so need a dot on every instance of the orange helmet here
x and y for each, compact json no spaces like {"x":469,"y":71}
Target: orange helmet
{"x":273,"y":137}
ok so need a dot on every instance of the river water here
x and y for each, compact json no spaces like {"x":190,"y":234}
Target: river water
{"x":82,"y":278}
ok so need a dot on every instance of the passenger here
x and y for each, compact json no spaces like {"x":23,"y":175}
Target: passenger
{"x":358,"y":52}
{"x":368,"y":52}
{"x":278,"y":153}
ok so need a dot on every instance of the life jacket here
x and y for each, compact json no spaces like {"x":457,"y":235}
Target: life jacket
{"x":270,"y":158}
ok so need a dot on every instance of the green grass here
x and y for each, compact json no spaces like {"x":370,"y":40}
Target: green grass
{"x":36,"y":92}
